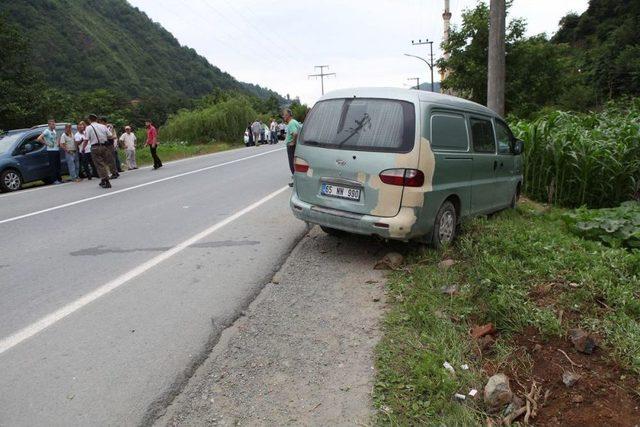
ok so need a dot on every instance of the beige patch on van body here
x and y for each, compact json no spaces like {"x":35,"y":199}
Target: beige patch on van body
{"x":362,"y":177}
{"x":401,"y":224}
{"x":309,"y":172}
{"x":414,"y":196}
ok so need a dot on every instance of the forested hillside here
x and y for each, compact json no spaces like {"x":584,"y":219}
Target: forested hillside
{"x":108,"y":44}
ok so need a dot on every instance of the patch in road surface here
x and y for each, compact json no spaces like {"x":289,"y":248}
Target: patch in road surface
{"x":102,"y":250}
{"x":303,"y":353}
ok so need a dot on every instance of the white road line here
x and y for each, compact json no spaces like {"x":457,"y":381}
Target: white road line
{"x":50,"y":319}
{"x":113,"y":193}
{"x":51,"y":187}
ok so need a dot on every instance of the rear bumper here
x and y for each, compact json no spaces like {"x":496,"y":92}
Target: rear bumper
{"x":400,"y":227}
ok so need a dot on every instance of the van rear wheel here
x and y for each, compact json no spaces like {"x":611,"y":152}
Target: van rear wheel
{"x":332,"y":231}
{"x":445,"y":226}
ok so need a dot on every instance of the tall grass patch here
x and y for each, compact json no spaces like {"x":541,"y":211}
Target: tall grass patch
{"x":586,"y":159}
{"x":224,"y":121}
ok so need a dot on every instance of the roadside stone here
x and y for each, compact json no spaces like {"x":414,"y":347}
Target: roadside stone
{"x":444,"y":264}
{"x":583,"y":341}
{"x":497,"y":392}
{"x":570,"y":378}
{"x":577,"y":398}
{"x":537,"y":348}
{"x":450,"y":290}
{"x":391,"y":261}
{"x":482,"y":330}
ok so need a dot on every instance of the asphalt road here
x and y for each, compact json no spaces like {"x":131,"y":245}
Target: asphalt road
{"x":109,"y":299}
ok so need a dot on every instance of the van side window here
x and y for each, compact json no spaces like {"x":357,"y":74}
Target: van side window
{"x":504,"y":137}
{"x":449,"y":132}
{"x":482,"y":136}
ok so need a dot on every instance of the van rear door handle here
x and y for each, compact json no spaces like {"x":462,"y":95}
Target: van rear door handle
{"x":495,"y":164}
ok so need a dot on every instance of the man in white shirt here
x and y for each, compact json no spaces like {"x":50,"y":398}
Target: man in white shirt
{"x":86,"y":164}
{"x":101,"y":152}
{"x":128,"y":138}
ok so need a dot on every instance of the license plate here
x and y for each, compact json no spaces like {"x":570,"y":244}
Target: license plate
{"x":341,"y":192}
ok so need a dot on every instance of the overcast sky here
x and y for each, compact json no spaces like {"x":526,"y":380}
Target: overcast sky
{"x":277,"y":43}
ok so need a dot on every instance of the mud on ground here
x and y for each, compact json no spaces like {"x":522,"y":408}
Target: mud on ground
{"x":605,"y":394}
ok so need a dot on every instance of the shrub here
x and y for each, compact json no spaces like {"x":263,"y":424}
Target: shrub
{"x":224,"y":121}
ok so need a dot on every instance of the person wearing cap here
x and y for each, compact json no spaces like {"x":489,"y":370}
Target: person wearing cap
{"x":128,"y":139}
{"x":114,"y":167}
{"x":101,"y":151}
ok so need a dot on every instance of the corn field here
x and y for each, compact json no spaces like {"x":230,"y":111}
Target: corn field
{"x":589,"y":159}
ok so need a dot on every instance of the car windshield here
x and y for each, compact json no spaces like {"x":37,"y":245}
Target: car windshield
{"x":361,"y":124}
{"x":6,"y":142}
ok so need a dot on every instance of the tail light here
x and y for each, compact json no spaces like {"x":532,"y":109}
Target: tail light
{"x":403,"y":177}
{"x":300,"y":165}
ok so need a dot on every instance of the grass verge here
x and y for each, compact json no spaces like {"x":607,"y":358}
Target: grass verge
{"x":519,"y":270}
{"x":176,"y":151}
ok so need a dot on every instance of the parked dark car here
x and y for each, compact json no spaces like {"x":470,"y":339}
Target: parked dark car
{"x":23,"y":159}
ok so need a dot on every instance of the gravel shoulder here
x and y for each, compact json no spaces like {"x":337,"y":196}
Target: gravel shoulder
{"x":303,"y":352}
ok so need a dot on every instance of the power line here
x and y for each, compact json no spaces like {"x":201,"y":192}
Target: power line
{"x":322,"y":75}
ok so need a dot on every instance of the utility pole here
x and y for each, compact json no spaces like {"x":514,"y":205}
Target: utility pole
{"x":417,"y":79}
{"x":322,"y":75}
{"x":497,"y":62}
{"x":429,"y":63}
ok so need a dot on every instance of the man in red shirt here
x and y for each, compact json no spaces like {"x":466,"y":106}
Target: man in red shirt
{"x":152,"y":142}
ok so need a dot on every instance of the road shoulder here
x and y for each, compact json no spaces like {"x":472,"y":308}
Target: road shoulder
{"x":303,"y":351}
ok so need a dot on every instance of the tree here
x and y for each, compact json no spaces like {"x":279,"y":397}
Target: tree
{"x":20,"y":85}
{"x":535,"y":67}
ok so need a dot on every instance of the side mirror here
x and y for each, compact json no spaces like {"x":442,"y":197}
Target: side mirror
{"x":518,"y":147}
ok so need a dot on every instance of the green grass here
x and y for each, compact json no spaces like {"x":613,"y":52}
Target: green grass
{"x":500,"y":261}
{"x":175,"y":151}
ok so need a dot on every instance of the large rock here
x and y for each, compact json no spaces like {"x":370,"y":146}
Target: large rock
{"x":497,"y":392}
{"x":583,"y":341}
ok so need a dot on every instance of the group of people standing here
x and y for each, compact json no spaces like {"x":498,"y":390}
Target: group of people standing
{"x":93,"y":150}
{"x":257,"y":132}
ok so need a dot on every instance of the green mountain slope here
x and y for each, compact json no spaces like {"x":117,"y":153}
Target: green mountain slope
{"x":83,"y":45}
{"x":605,"y":42}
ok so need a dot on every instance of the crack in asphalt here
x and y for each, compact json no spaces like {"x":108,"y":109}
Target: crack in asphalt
{"x":102,"y":250}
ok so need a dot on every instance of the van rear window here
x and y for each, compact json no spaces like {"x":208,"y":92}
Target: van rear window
{"x":361,"y":124}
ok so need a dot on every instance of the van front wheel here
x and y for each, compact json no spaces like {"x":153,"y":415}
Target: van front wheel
{"x":444,"y":228}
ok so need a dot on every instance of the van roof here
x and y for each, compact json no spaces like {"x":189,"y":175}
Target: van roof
{"x":410,"y":95}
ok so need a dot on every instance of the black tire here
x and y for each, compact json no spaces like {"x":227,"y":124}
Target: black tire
{"x":10,"y":180}
{"x":332,"y":231}
{"x":514,"y":199}
{"x":445,"y":226}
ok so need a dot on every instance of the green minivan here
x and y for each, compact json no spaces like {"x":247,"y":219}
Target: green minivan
{"x":402,"y":164}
